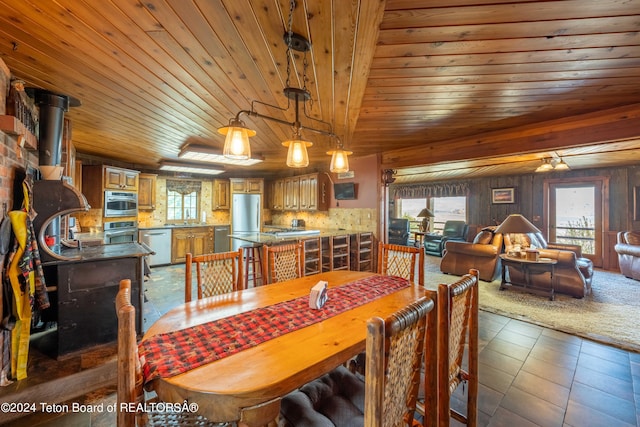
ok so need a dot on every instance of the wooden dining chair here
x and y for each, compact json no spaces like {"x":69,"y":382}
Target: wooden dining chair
{"x":457,"y":308}
{"x":394,"y":354}
{"x":215,"y":274}
{"x":398,"y":260}
{"x":130,"y":380}
{"x":282,"y":262}
{"x":129,"y":387}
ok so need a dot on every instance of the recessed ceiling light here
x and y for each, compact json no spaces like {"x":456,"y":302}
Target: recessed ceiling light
{"x":190,"y":167}
{"x":202,"y":153}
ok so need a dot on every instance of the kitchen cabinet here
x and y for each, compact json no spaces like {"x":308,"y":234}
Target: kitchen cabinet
{"x":314,"y":192}
{"x":120,"y":179}
{"x":292,"y":193}
{"x":277,"y":194}
{"x":305,"y":192}
{"x":247,"y":185}
{"x":220,"y":197}
{"x":97,"y":178}
{"x":197,"y":240}
{"x":147,"y":191}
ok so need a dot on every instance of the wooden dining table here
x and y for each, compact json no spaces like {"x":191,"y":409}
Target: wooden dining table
{"x":246,"y":387}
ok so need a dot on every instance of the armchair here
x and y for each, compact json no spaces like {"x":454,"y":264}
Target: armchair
{"x":573,"y":273}
{"x":628,"y":249}
{"x":452,"y":231}
{"x":482,"y":254}
{"x":399,"y":231}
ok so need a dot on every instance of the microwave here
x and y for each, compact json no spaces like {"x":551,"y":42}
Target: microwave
{"x":120,"y":203}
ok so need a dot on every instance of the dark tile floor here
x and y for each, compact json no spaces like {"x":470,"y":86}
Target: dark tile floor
{"x":529,"y":375}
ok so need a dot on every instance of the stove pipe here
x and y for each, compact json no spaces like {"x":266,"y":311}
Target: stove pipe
{"x":52,"y":108}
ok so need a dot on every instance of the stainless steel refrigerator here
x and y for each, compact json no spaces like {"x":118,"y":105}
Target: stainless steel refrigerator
{"x":245,"y":216}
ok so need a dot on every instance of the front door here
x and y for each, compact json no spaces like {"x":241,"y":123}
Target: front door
{"x":576,"y":214}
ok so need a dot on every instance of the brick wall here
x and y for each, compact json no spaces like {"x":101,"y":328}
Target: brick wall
{"x":14,"y":161}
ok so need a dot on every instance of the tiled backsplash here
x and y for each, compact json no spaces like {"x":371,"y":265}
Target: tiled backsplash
{"x":356,"y":219}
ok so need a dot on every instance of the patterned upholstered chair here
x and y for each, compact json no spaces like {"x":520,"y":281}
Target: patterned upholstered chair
{"x":387,"y":396}
{"x":282,"y":262}
{"x":215,"y":274}
{"x":401,"y":261}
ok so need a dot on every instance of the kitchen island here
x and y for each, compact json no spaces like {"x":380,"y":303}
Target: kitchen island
{"x":324,"y":249}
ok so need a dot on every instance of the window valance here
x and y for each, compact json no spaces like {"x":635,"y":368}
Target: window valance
{"x":426,"y":190}
{"x":183,"y":186}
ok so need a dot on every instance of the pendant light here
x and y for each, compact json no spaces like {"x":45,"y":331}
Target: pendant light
{"x":297,"y":156}
{"x":236,"y":143}
{"x":339,"y":159}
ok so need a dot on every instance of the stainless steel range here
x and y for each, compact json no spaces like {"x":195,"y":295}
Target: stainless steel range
{"x":120,"y":232}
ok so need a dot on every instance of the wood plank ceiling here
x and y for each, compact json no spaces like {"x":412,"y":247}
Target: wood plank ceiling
{"x":443,"y":88}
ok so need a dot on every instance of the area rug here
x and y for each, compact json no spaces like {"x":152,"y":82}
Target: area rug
{"x":611,"y":314}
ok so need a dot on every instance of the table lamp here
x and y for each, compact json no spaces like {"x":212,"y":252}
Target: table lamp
{"x":516,"y":224}
{"x":425,"y":214}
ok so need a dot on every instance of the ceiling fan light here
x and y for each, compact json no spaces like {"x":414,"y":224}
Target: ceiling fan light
{"x":339,"y":160}
{"x":297,"y":156}
{"x":236,"y":144}
{"x":562,"y":166}
{"x":546,"y":166}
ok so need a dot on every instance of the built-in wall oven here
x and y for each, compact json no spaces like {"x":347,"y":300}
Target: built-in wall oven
{"x":120,"y":232}
{"x":120,"y":203}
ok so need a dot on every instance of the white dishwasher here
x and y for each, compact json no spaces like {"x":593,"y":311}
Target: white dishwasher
{"x":159,"y":240}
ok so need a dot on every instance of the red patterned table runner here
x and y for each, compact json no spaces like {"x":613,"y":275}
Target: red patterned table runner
{"x":172,"y":353}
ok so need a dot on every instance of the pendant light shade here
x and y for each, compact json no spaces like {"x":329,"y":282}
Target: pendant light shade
{"x":339,"y":160}
{"x":236,"y":144}
{"x":297,"y":156}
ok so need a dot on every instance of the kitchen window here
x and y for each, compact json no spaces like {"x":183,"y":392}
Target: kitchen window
{"x":183,"y":200}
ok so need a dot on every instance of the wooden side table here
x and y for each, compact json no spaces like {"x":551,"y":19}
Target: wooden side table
{"x":528,"y":268}
{"x":418,"y":237}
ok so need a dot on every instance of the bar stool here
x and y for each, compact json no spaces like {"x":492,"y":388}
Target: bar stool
{"x":252,"y":259}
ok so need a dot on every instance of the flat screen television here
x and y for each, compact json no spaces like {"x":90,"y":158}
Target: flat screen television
{"x":344,"y":191}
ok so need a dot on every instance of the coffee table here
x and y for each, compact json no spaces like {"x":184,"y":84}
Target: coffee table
{"x":528,"y":268}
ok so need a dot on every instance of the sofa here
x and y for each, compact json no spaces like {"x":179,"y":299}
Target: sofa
{"x":573,"y":272}
{"x":628,"y":249}
{"x":452,"y":231}
{"x":483,"y":254}
{"x":399,"y":231}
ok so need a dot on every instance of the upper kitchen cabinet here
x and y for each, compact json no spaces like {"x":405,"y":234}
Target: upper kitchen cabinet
{"x":221,"y":194}
{"x":247,"y":185}
{"x":98,"y":178}
{"x":314,"y":192}
{"x":301,"y":193}
{"x":292,"y":193}
{"x":147,"y":191}
{"x":277,"y":195}
{"x":120,"y":179}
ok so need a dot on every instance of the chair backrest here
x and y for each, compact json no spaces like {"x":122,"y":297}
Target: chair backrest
{"x":455,"y":229}
{"x":458,"y":320}
{"x":216,"y":274}
{"x":282,"y":262}
{"x":401,"y":261}
{"x":129,"y":389}
{"x":398,"y":231}
{"x":394,"y":351}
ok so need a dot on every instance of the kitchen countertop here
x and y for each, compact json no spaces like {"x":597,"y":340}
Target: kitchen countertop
{"x":268,"y":238}
{"x":94,"y":253}
{"x":171,"y":226}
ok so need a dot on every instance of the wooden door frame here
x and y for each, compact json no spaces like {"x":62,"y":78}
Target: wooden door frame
{"x":603,"y":182}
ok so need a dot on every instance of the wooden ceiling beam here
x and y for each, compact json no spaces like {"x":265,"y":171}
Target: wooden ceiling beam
{"x":586,"y":129}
